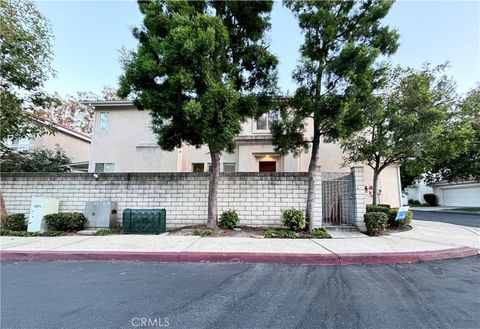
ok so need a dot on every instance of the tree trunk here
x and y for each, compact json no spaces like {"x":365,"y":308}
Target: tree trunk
{"x":375,"y":185}
{"x":312,"y":177}
{"x":213,"y":190}
{"x":3,"y":211}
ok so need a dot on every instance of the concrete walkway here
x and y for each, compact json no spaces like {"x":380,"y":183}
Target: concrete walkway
{"x":426,"y":241}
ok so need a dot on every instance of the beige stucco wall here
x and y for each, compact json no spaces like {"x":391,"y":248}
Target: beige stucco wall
{"x":77,"y":149}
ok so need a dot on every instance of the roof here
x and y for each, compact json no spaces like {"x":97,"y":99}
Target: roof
{"x":108,"y":103}
{"x":63,"y":129}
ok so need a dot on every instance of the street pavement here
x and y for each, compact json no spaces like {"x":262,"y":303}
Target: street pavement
{"x":438,"y":294}
{"x":465,"y":219}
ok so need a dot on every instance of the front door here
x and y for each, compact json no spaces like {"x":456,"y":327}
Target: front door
{"x":267,"y":166}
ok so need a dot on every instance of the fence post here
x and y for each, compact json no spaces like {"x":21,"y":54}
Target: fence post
{"x":358,"y":196}
{"x":317,"y":210}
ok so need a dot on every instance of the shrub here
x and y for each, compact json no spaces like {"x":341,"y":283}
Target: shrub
{"x":67,"y":221}
{"x":393,"y":223}
{"x":293,"y":218}
{"x":280,"y":234}
{"x":16,"y":222}
{"x":228,"y":219}
{"x":384,"y":205}
{"x":321,"y":233}
{"x":4,"y":232}
{"x":375,"y":208}
{"x":203,"y":233}
{"x":375,"y":222}
{"x":104,"y":231}
{"x":412,"y":202}
{"x":431,"y":199}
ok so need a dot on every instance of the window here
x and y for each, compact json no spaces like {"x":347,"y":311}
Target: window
{"x":265,"y":120}
{"x":198,"y":167}
{"x":22,"y":144}
{"x":104,"y":167}
{"x":229,"y":167}
{"x":104,"y":122}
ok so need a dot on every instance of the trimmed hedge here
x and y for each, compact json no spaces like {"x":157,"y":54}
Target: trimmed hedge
{"x":228,"y":219}
{"x":321,"y":233}
{"x":294,"y":219}
{"x":16,"y":222}
{"x":378,"y":208}
{"x":66,"y":221}
{"x":431,"y":199}
{"x":384,"y":205}
{"x":375,"y":222}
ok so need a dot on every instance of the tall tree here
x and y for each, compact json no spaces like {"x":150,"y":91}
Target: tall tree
{"x":407,"y":118}
{"x":336,"y":76}
{"x":25,"y":65}
{"x":201,"y":69}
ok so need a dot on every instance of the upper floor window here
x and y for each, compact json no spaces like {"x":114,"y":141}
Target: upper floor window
{"x":104,"y":122}
{"x":22,"y":144}
{"x":265,"y":120}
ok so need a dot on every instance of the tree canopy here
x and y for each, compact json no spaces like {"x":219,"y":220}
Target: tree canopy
{"x":37,"y":160}
{"x":201,"y":69}
{"x":25,"y":64}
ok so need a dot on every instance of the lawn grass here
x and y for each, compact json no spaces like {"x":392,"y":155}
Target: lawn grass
{"x":469,"y":209}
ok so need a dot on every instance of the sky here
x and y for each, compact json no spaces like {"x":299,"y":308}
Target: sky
{"x":90,"y":34}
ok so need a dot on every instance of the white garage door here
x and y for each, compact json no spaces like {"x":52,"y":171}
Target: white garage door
{"x":462,"y":197}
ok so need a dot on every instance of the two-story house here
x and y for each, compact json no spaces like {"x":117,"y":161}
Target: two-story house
{"x":123,"y":141}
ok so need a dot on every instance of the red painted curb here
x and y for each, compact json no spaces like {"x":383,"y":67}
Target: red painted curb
{"x":244,"y":257}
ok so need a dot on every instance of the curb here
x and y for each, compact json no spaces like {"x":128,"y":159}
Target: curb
{"x":244,"y":257}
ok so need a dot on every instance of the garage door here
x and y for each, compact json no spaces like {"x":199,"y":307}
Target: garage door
{"x":462,"y":197}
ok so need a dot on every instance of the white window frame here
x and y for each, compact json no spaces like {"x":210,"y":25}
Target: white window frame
{"x":230,"y":164}
{"x":104,"y":123}
{"x":269,"y":118}
{"x":107,"y":167}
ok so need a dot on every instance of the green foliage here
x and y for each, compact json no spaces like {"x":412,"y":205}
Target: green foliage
{"x":321,"y":233}
{"x":201,"y":69}
{"x":228,"y":219}
{"x":203,"y":233}
{"x":395,"y":224}
{"x":376,"y":222}
{"x":412,"y":202}
{"x":38,"y":160}
{"x":409,"y":112}
{"x":384,"y":205}
{"x":293,"y":218}
{"x":104,"y":231}
{"x":431,"y":199}
{"x":4,"y":232}
{"x":375,"y":208}
{"x":280,"y":234}
{"x":25,"y":45}
{"x":67,"y":221}
{"x":16,"y":222}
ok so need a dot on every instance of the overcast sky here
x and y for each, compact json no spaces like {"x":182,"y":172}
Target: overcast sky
{"x":89,"y":35}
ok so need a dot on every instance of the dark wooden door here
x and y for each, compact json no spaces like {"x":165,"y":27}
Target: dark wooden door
{"x":267,"y":166}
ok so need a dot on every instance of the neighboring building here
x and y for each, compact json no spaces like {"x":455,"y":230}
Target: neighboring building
{"x":416,"y":191}
{"x":76,"y":145}
{"x":457,"y":194}
{"x":123,"y":141}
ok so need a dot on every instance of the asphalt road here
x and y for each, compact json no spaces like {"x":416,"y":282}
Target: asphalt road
{"x":472,"y":220}
{"x":442,"y":294}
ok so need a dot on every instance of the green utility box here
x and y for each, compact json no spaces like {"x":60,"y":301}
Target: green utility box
{"x":144,"y":221}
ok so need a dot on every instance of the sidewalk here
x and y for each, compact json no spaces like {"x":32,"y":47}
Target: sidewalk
{"x":426,"y":241}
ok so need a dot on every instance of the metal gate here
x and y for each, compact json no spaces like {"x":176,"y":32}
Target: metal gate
{"x":337,"y":198}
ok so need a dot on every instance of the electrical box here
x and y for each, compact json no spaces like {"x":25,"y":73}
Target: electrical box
{"x":144,"y":221}
{"x":40,"y":207}
{"x":101,"y":214}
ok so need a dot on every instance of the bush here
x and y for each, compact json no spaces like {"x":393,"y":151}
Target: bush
{"x":228,"y":219}
{"x":393,"y":223}
{"x":321,"y":233}
{"x":378,"y":208}
{"x":27,"y":234}
{"x":293,"y":218}
{"x":16,"y":222}
{"x":431,"y":199}
{"x":203,"y":233}
{"x":412,"y":202}
{"x":384,"y":205}
{"x":375,"y":222}
{"x":104,"y":231}
{"x":280,"y":234}
{"x":67,"y":221}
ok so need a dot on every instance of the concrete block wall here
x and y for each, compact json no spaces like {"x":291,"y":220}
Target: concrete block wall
{"x":359,"y":196}
{"x":259,"y":198}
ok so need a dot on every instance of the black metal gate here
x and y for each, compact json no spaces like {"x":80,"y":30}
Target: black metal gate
{"x":337,"y":198}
